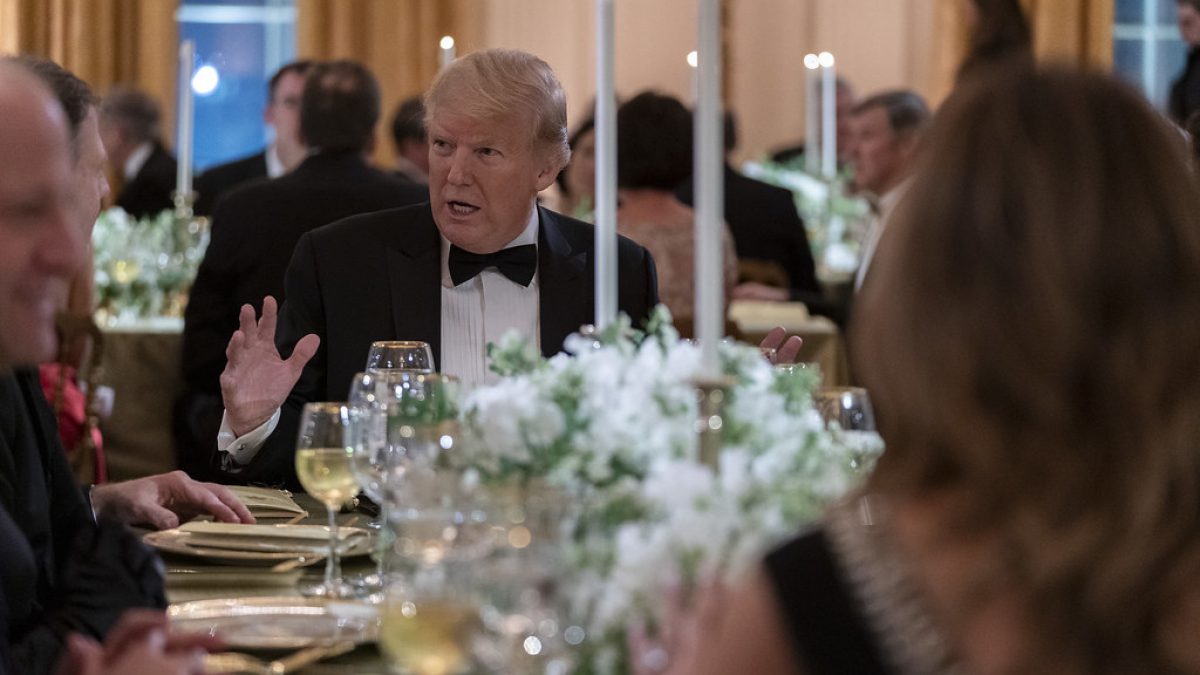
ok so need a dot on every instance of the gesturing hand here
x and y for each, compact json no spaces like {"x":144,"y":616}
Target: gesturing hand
{"x":165,"y":500}
{"x":139,"y":643}
{"x":256,"y":380}
{"x":781,"y":347}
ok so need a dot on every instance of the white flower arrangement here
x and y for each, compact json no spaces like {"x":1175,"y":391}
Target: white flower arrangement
{"x":144,"y":268}
{"x":613,"y":422}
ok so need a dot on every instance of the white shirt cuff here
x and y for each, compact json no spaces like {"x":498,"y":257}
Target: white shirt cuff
{"x":243,"y":449}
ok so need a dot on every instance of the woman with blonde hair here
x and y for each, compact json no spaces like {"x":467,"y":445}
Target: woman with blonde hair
{"x":1032,"y":342}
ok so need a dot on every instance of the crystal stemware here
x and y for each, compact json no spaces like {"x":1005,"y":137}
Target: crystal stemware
{"x":324,"y":457}
{"x":405,"y":354}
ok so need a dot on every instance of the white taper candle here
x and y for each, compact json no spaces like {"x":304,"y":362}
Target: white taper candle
{"x":709,"y":189}
{"x":606,"y":169}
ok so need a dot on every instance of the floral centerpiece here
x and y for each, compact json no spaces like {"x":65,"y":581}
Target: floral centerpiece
{"x":144,"y":268}
{"x":613,"y":421}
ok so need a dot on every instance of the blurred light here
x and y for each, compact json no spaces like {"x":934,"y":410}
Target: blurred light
{"x":826,"y":59}
{"x":205,"y":80}
{"x":812,"y":61}
{"x":693,"y":59}
{"x":574,"y":635}
{"x":446,"y":42}
{"x":533,"y":646}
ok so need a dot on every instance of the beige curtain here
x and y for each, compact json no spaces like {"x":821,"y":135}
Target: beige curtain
{"x":105,"y":42}
{"x":396,"y":39}
{"x":1064,"y":31}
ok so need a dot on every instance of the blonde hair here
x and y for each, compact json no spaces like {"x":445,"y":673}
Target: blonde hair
{"x":1031,"y":334}
{"x":502,"y":83}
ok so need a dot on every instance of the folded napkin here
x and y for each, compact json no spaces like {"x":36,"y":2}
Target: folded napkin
{"x":266,"y":538}
{"x":268,"y":502}
{"x":754,"y":316}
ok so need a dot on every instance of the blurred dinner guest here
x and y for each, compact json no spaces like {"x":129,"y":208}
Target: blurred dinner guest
{"x":999,"y":35}
{"x":62,"y":571}
{"x":887,"y":131}
{"x":844,"y":99}
{"x":1185,"y":90}
{"x":577,"y":181}
{"x":765,"y":225}
{"x":654,"y":155}
{"x":410,"y":141}
{"x":255,"y":229}
{"x":1034,"y":362}
{"x":130,"y":128}
{"x":477,"y":261}
{"x":282,"y":154}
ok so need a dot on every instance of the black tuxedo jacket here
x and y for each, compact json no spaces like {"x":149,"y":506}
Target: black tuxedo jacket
{"x":765,"y":226}
{"x":222,"y":178}
{"x":149,"y":192}
{"x":63,"y":573}
{"x":378,"y":277}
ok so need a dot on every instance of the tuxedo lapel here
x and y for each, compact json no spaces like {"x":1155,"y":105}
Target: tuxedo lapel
{"x":566,"y":300}
{"x":414,"y":274}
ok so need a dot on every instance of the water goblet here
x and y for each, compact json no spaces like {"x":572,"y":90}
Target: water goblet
{"x":323,"y":465}
{"x":400,"y":354}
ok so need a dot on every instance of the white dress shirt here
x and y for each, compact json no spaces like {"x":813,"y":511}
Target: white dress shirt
{"x":136,"y":160}
{"x":275,"y":166}
{"x":474,"y":313}
{"x":887,"y":205}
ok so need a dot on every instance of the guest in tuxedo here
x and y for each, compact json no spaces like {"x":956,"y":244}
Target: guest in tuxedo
{"x":411,"y":142}
{"x":61,"y":571}
{"x":844,"y":100}
{"x":1185,"y":90}
{"x":256,"y":227}
{"x":765,"y":224}
{"x":654,"y":155}
{"x":282,"y":154}
{"x":479,"y":259}
{"x":130,"y":128}
{"x":887,"y":131}
{"x":1033,"y":361}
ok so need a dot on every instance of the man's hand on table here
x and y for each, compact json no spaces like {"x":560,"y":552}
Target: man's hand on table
{"x":752,"y":290}
{"x":256,"y":380}
{"x":141,"y":643}
{"x":165,"y":500}
{"x":779,"y":347}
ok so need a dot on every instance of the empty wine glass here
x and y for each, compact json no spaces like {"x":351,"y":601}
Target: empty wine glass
{"x":847,"y":412}
{"x":406,"y":354}
{"x":324,"y":457}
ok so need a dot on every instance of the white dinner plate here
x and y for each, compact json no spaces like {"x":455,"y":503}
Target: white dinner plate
{"x":276,"y":623}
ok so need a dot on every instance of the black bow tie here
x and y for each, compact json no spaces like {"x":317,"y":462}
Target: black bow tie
{"x":518,"y":263}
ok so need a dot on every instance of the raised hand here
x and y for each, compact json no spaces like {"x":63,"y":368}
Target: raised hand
{"x":256,"y":380}
{"x":783,"y":348}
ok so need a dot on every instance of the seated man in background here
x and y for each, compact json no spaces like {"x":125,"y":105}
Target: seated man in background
{"x":60,"y":571}
{"x":480,"y":259}
{"x":130,"y":128}
{"x":283,"y":154}
{"x":256,"y":227}
{"x":411,"y":141}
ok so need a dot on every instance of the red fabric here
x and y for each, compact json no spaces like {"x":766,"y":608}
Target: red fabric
{"x":71,"y":419}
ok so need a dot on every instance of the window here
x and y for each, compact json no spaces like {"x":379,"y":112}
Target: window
{"x":239,"y":45}
{"x":1147,"y":50}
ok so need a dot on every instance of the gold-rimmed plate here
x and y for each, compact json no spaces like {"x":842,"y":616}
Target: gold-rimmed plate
{"x":276,"y":623}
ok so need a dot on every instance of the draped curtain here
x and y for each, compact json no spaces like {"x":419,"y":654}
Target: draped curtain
{"x":1077,"y":32}
{"x":396,"y":39}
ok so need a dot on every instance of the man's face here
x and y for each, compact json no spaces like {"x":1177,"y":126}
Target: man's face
{"x":1189,"y":24}
{"x":41,"y":244}
{"x":880,"y":157}
{"x":90,"y":178}
{"x":483,"y":177}
{"x":283,"y":110}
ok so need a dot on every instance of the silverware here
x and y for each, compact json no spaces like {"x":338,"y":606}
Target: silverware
{"x":235,"y":662}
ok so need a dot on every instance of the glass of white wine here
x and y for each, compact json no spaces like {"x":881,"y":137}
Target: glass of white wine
{"x":406,"y":354}
{"x":430,"y":622}
{"x":324,"y":457}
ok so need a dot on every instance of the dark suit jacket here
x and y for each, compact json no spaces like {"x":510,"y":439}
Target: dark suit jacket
{"x":765,"y":226}
{"x":378,"y":277}
{"x":255,"y":227}
{"x":222,"y":178}
{"x":65,"y":573}
{"x":149,"y":192}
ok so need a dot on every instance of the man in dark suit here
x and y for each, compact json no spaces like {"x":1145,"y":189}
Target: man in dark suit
{"x":285,"y":151}
{"x":480,"y":259}
{"x":410,"y":141}
{"x":129,"y":127}
{"x":763,"y":221}
{"x":256,"y":227}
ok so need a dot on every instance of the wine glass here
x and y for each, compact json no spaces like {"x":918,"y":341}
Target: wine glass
{"x":324,"y":458}
{"x":406,"y":354}
{"x":847,"y":407}
{"x":430,"y":621}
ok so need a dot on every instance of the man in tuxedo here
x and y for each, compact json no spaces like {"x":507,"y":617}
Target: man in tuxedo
{"x":479,"y":259}
{"x":256,"y":227}
{"x":129,"y":127}
{"x":410,"y":141}
{"x":285,"y":151}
